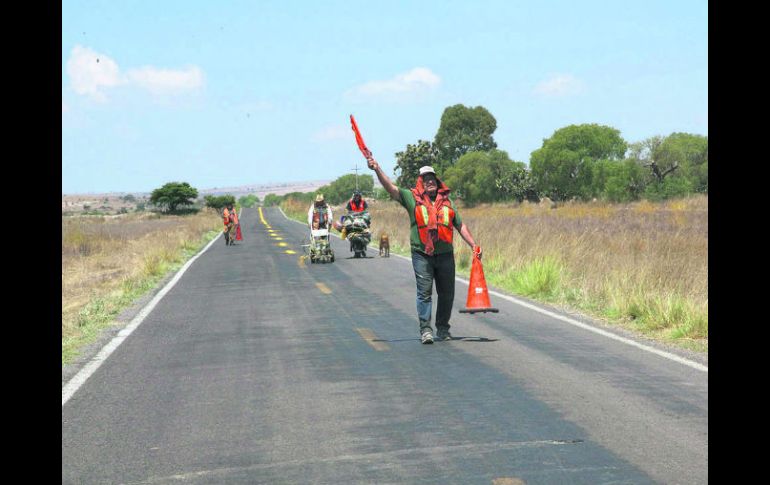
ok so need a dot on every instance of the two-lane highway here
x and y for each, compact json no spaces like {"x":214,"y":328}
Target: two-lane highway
{"x":259,"y":367}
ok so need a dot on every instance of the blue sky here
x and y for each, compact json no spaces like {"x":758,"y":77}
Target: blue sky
{"x":253,"y":92}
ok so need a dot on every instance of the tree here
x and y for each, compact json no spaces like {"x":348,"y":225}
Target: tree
{"x":219,"y":202}
{"x":679,"y":155}
{"x":621,"y":181}
{"x":690,"y":153}
{"x":564,"y":166}
{"x":271,"y":200}
{"x":670,"y":187}
{"x":463,"y":130}
{"x":248,"y":200}
{"x":128,"y":198}
{"x":341,"y":189}
{"x":646,"y":153}
{"x":489,"y":177}
{"x":172,"y":195}
{"x":410,"y":160}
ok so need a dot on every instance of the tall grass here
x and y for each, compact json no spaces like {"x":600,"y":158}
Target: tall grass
{"x":296,"y":209}
{"x":641,"y":265}
{"x":107,"y":262}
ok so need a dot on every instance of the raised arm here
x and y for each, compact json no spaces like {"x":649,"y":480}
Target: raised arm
{"x":384,"y":180}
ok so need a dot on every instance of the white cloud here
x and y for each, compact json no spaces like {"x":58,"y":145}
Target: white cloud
{"x":167,"y":81}
{"x":416,"y":80}
{"x":559,"y":85}
{"x":90,"y":72}
{"x":332,"y":132}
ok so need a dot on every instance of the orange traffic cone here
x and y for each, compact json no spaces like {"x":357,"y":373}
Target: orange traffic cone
{"x":478,"y":296}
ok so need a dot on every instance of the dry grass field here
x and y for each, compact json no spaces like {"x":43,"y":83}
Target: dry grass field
{"x":642,"y":265}
{"x":109,"y":261}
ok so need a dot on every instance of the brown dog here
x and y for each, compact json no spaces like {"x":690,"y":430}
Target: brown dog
{"x":384,"y":245}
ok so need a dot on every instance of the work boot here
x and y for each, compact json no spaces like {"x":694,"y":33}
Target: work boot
{"x":427,"y":337}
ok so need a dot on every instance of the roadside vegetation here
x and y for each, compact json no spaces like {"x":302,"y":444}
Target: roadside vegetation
{"x":108,"y":262}
{"x":641,"y":265}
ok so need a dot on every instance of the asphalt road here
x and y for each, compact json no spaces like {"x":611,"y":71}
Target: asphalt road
{"x":258,"y":367}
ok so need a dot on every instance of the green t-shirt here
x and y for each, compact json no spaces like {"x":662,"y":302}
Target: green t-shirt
{"x":407,"y":200}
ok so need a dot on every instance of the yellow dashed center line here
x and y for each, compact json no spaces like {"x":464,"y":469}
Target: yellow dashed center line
{"x":282,"y":244}
{"x":371,"y":339}
{"x":262,"y":217}
{"x":324,"y":289}
{"x":289,"y":251}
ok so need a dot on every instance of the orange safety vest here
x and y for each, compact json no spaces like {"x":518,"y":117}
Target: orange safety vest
{"x":357,"y":208}
{"x":234,"y":216}
{"x":444,"y":217}
{"x":226,"y":216}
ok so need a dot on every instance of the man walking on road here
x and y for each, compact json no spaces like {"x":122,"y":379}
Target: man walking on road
{"x":432,"y":216}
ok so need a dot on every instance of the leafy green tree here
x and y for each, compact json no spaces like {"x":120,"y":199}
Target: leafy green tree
{"x":670,"y":187}
{"x":341,"y":189}
{"x":271,"y":200}
{"x":128,"y":198}
{"x":689,"y":153}
{"x":463,"y":130}
{"x":489,"y":176}
{"x":173,"y":195}
{"x":219,"y":202}
{"x":622,"y":181}
{"x":647,"y":154}
{"x":679,"y":155}
{"x":248,"y":200}
{"x":409,"y":161}
{"x":564,"y":166}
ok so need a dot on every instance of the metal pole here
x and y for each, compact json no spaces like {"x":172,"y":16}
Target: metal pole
{"x":356,"y":170}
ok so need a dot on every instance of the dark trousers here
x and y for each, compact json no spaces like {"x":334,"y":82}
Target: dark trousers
{"x":441,"y":268}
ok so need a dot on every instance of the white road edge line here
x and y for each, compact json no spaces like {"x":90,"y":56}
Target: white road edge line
{"x":590,"y":328}
{"x":80,"y":378}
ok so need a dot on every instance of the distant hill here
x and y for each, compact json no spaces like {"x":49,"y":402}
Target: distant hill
{"x":114,"y":201}
{"x":262,"y":190}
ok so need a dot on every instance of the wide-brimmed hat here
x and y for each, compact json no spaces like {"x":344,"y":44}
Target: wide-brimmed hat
{"x":319,"y":198}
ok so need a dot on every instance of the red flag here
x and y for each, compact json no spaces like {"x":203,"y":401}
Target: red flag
{"x":359,"y":138}
{"x":238,"y":236}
